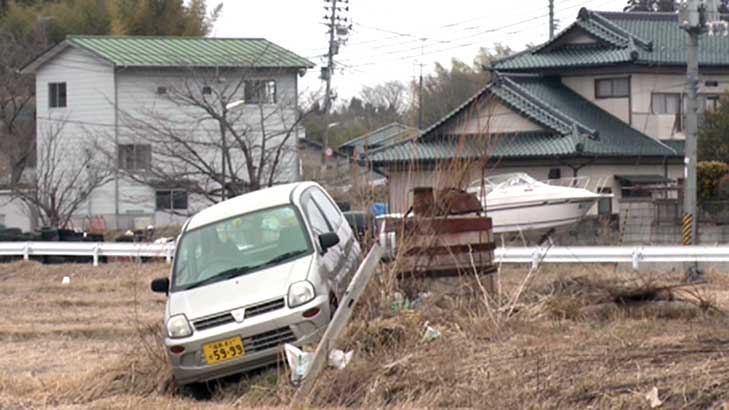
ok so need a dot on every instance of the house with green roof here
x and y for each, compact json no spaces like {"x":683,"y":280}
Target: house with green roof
{"x":118,"y":92}
{"x":604,"y":99}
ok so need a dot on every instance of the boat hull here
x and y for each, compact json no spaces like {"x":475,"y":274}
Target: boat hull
{"x":538,"y":215}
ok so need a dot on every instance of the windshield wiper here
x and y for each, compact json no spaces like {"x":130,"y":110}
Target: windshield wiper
{"x":224,"y":275}
{"x":283,"y":257}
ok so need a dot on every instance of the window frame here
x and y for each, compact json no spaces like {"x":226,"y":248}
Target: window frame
{"x":123,"y":160}
{"x":171,"y":198}
{"x":307,"y":200}
{"x":333,"y":224}
{"x":714,"y":98}
{"x":57,"y":94}
{"x":664,"y":95}
{"x":612,"y":94}
{"x":252,"y":97}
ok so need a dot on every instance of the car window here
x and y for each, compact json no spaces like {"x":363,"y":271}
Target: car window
{"x":333,"y":215}
{"x":316,"y":219}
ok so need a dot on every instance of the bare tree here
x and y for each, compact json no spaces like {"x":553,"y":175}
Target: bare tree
{"x":64,"y":178}
{"x":216,"y":135}
{"x":17,"y":105}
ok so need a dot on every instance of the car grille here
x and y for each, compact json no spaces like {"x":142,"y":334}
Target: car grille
{"x":264,"y":308}
{"x":227,"y":317}
{"x":263,"y":341}
{"x":212,"y":321}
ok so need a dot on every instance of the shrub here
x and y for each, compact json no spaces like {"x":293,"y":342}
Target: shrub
{"x":708,"y":174}
{"x":723,"y":189}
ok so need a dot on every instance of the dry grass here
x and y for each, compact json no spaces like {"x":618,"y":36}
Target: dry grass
{"x":575,"y":338}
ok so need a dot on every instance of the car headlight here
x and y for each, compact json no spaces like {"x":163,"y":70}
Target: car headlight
{"x":300,"y":293}
{"x":178,"y":326}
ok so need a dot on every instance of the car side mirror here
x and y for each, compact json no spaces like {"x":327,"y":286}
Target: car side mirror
{"x":327,"y":240}
{"x":161,"y":285}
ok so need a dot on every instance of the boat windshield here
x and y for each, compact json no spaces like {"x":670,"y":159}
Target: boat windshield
{"x":503,"y":181}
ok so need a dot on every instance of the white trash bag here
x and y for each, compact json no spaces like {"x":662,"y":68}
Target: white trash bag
{"x":299,"y":362}
{"x":338,"y":359}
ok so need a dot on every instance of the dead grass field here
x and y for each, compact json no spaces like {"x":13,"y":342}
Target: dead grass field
{"x":577,"y":337}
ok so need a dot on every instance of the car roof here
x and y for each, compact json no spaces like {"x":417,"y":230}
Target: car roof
{"x":264,"y":198}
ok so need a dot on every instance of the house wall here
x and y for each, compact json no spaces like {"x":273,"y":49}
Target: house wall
{"x":402,"y":181}
{"x":585,"y":86}
{"x":495,"y":118}
{"x":636,"y":110}
{"x":14,"y":213}
{"x":662,"y":125}
{"x":89,"y":121}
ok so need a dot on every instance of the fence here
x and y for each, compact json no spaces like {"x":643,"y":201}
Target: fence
{"x":634,"y":255}
{"x":94,"y":250}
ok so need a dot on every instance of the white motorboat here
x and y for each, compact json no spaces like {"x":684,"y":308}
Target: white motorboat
{"x":517,"y":202}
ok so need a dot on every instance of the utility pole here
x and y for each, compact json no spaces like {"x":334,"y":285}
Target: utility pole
{"x":551,"y":19}
{"x":696,"y":18}
{"x":338,"y":30}
{"x":420,"y":88}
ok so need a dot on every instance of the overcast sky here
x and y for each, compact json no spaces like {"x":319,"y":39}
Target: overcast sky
{"x":385,"y":41}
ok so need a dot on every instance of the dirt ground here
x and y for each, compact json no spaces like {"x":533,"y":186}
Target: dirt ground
{"x":562,"y":337}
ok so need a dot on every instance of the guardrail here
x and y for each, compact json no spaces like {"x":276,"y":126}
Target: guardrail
{"x":634,"y":255}
{"x":94,"y":250}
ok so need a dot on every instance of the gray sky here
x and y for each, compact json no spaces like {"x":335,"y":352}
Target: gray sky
{"x":385,"y":44}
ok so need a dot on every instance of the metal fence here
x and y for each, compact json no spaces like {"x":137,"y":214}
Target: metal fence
{"x":634,"y":255}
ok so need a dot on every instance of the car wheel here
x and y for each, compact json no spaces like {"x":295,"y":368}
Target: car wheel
{"x":197,"y":391}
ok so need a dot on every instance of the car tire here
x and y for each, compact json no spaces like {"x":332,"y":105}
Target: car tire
{"x":333,"y":305}
{"x":196,"y":391}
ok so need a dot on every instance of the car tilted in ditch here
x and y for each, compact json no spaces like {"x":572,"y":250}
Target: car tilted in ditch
{"x":252,"y":273}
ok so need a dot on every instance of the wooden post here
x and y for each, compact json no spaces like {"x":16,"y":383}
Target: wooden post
{"x":339,"y":322}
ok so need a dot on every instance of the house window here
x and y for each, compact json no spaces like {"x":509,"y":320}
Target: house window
{"x":612,"y":88}
{"x":171,"y":200}
{"x":135,"y":157}
{"x":666,"y":103}
{"x":712,"y":102}
{"x":260,"y":92}
{"x":207,"y":90}
{"x":605,"y":205}
{"x":555,"y":173}
{"x":57,"y":95}
{"x":161,"y":90}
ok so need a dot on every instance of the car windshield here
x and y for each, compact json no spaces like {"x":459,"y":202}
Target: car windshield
{"x":239,"y":245}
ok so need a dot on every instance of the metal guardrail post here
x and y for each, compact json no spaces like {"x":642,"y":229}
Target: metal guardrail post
{"x":637,"y":255}
{"x":168,"y":253}
{"x":26,"y":251}
{"x":96,"y":253}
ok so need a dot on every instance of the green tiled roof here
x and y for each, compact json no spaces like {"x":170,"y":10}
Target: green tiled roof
{"x":639,"y":38}
{"x":382,"y":136}
{"x":574,"y":128}
{"x":189,"y":51}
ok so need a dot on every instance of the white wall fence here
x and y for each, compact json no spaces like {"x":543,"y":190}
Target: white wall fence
{"x":635,"y":255}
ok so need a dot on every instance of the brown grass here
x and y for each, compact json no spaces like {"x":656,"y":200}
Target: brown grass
{"x":577,"y":337}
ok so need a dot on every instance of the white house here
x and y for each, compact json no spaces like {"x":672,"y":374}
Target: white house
{"x":112,"y":97}
{"x":604,"y":99}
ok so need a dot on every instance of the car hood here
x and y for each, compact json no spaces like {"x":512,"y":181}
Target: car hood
{"x":249,"y":289}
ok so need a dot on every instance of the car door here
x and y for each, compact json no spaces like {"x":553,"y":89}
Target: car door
{"x":319,"y":225}
{"x":346,"y":253}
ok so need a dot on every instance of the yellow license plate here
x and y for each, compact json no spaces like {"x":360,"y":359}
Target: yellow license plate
{"x":224,"y":350}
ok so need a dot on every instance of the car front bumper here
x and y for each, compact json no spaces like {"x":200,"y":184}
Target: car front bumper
{"x":263,"y":338}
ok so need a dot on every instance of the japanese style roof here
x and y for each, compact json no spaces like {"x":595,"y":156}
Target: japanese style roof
{"x":573,"y":127}
{"x":380,"y":137}
{"x":617,"y":38}
{"x":142,"y":51}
